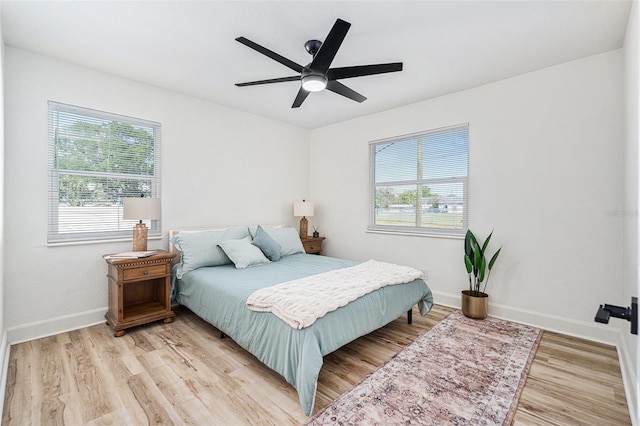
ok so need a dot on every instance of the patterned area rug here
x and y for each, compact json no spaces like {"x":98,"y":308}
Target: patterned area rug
{"x":461,"y":372}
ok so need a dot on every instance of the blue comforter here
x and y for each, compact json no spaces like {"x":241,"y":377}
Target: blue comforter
{"x":218,"y":295}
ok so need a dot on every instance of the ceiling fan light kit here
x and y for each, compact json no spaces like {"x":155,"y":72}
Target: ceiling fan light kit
{"x":317,"y":75}
{"x":314,"y":82}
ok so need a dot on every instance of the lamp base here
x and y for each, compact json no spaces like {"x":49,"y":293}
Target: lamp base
{"x":140,"y":233}
{"x":304,"y":227}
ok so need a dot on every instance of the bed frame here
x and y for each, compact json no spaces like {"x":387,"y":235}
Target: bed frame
{"x":305,"y":382}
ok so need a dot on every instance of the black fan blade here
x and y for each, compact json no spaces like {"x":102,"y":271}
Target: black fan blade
{"x":362,"y":70}
{"x":343,"y":90}
{"x":271,"y":80}
{"x":273,"y":55}
{"x":302,"y":95}
{"x":329,"y":48}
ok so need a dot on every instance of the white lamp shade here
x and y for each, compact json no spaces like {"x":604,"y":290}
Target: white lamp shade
{"x":140,"y":208}
{"x":303,"y":208}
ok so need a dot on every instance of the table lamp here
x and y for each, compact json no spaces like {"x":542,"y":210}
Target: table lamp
{"x":140,"y":208}
{"x":304,"y":209}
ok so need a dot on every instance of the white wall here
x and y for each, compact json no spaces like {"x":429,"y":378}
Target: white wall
{"x":4,"y":347}
{"x":628,"y":345}
{"x":546,"y":156}
{"x":219,"y":167}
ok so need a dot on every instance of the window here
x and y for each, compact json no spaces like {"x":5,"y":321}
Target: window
{"x":419,"y":182}
{"x":95,"y":160}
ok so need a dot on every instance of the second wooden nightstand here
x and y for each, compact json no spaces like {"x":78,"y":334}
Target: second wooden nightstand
{"x":312,"y":245}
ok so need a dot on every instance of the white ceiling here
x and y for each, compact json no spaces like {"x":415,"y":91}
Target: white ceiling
{"x":189,"y":46}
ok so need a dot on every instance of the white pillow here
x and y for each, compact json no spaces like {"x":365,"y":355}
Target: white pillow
{"x":288,"y":238}
{"x":242,"y":253}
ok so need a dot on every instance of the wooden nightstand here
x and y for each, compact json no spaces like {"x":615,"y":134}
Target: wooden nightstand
{"x":312,"y":245}
{"x":139,"y":291}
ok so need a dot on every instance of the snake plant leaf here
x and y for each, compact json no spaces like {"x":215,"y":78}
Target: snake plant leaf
{"x":486,"y":243}
{"x":483,"y":268}
{"x":477,"y":257}
{"x":472,"y":237}
{"x":469,"y":238}
{"x":494,"y":258}
{"x":467,"y":263}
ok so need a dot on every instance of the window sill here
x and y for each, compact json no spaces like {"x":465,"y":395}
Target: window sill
{"x":115,"y":240}
{"x":414,"y":234}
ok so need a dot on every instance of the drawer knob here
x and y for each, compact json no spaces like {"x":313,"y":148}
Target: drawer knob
{"x":146,"y":272}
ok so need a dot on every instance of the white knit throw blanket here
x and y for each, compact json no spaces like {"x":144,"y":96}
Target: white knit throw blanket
{"x":301,"y":302}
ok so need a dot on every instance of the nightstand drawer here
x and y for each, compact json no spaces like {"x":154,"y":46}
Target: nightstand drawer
{"x":313,"y":247}
{"x":146,"y":272}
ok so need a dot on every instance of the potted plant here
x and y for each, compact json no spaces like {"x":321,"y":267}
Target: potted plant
{"x":475,"y":303}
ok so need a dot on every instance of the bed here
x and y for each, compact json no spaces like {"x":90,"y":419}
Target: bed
{"x":215,"y":285}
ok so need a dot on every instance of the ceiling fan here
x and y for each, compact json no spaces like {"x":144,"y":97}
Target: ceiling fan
{"x":317,"y":75}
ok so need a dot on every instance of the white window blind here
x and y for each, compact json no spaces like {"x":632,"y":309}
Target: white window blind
{"x":95,"y":160}
{"x":419,"y":182}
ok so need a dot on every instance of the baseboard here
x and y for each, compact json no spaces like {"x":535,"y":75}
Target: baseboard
{"x":629,"y":379}
{"x":5,"y":349}
{"x":589,"y":330}
{"x":38,"y":329}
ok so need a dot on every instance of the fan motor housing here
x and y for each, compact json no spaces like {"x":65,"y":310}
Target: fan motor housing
{"x":313,"y":46}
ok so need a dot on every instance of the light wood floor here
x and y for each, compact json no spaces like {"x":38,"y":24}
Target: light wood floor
{"x":183,"y":373}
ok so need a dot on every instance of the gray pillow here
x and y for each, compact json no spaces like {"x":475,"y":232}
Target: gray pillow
{"x":242,"y":253}
{"x":288,"y":238}
{"x":199,"y":249}
{"x":268,"y":245}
